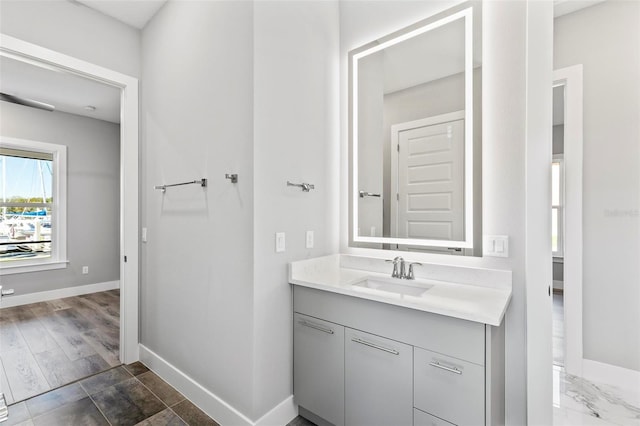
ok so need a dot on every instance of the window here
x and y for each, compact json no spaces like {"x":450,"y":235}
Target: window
{"x":557,"y":206}
{"x":32,"y":206}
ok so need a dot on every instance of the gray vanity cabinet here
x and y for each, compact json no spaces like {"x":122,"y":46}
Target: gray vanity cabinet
{"x":378,"y":378}
{"x":362,"y":362}
{"x":318,"y":367}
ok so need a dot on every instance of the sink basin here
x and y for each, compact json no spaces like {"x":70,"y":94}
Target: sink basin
{"x":395,"y":286}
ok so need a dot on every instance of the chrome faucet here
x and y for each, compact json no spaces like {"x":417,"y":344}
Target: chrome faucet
{"x":402,"y":272}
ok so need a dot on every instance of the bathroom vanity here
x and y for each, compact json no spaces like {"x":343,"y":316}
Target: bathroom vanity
{"x":375,"y":350}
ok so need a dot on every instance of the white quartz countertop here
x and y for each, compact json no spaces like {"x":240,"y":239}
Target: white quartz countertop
{"x":482,"y":302}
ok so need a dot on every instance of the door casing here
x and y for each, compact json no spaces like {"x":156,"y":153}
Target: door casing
{"x":129,"y":175}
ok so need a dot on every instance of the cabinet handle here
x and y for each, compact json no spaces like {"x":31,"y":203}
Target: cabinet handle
{"x":444,"y":367}
{"x":373,"y":345}
{"x":315,"y":326}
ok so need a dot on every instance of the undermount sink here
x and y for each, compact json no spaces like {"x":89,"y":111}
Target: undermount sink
{"x":395,"y":286}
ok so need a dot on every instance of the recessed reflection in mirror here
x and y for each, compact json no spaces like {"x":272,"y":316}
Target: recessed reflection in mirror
{"x":412,"y":111}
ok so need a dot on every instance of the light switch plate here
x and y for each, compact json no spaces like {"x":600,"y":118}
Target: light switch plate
{"x":495,"y":245}
{"x":280,"y":242}
{"x":309,"y":240}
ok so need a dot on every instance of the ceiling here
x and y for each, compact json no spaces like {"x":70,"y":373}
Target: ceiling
{"x":135,"y":13}
{"x":70,"y":93}
{"x":65,"y":91}
{"x":564,"y":7}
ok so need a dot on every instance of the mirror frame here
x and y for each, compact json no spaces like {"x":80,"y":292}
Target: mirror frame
{"x":465,"y":11}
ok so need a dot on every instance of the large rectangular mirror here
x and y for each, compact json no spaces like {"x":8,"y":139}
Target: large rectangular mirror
{"x":415,"y":136}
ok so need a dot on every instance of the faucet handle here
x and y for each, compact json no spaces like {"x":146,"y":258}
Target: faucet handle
{"x":410,"y":275}
{"x":395,"y":261}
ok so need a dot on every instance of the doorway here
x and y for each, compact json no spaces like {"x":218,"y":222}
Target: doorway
{"x":568,"y":213}
{"x":19,"y":50}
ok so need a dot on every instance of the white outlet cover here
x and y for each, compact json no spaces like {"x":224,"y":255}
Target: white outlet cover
{"x":280,"y":242}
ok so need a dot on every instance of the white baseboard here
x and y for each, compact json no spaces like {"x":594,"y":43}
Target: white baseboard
{"x":213,"y":405}
{"x":280,"y":415}
{"x":612,"y":375}
{"x":43,"y":296}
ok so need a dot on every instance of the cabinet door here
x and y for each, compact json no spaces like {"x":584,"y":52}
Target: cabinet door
{"x":378,"y":381}
{"x":318,"y":367}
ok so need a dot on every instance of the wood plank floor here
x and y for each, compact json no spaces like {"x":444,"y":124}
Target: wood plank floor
{"x":50,"y":344}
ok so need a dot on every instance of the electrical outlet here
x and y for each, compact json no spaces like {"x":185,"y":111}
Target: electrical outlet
{"x":85,"y":270}
{"x":280,"y":242}
{"x":309,"y":240}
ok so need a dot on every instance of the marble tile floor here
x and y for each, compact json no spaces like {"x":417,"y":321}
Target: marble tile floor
{"x":124,"y":395}
{"x":558,"y":329}
{"x":577,"y":401}
{"x":49,"y":344}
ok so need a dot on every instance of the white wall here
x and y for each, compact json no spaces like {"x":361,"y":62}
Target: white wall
{"x":197,"y":118}
{"x":295,"y":138}
{"x":605,"y":38}
{"x":93,"y":193}
{"x":75,"y":30}
{"x":246,"y":88}
{"x":504,"y":157}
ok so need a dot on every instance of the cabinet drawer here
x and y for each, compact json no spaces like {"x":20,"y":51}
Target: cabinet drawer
{"x":449,"y":388}
{"x":455,"y":337}
{"x":420,"y":418}
{"x":318,"y":367}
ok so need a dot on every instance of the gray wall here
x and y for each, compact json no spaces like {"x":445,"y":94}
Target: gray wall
{"x":73,"y":29}
{"x":371,"y":148}
{"x":558,"y":148}
{"x":93,"y":192}
{"x":558,"y":139}
{"x":605,"y":38}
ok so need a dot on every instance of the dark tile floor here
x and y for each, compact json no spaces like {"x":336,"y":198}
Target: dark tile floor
{"x":125,"y":395}
{"x":300,"y":421}
{"x":49,"y":344}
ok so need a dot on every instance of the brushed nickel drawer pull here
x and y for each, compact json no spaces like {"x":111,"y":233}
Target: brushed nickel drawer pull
{"x":444,"y":367}
{"x":315,"y":326}
{"x":373,"y":345}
